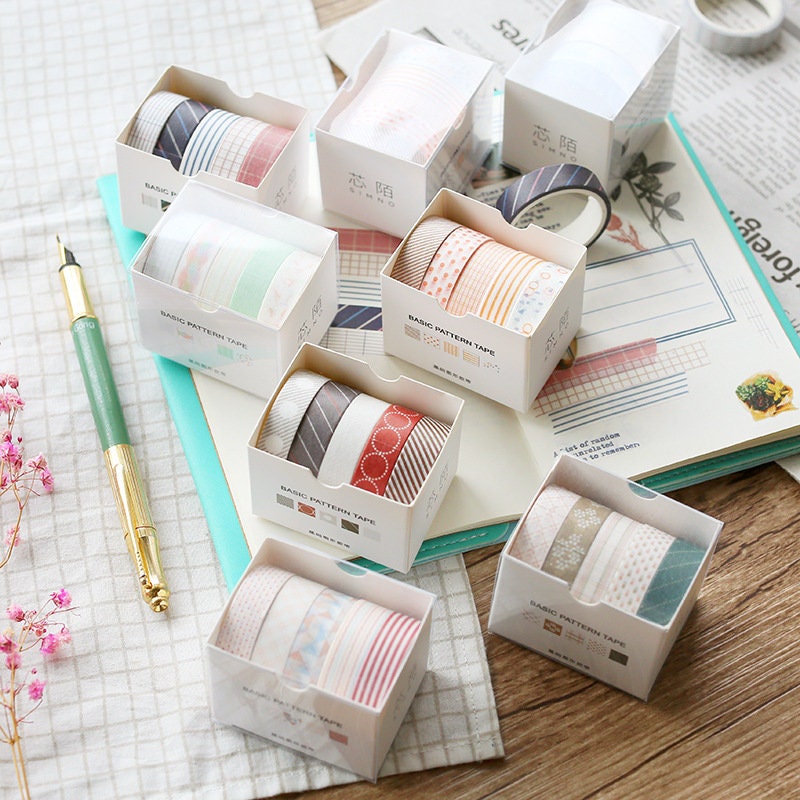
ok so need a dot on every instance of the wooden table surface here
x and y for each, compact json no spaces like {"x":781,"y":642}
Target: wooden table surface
{"x":723,"y":719}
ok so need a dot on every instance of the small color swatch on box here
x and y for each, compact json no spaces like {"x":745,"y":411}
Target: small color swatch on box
{"x":197,"y":137}
{"x":348,"y":437}
{"x":469,"y":272}
{"x":605,"y":556}
{"x":313,"y":635}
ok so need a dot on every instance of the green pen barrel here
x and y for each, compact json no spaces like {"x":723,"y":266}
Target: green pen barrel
{"x":96,"y":371}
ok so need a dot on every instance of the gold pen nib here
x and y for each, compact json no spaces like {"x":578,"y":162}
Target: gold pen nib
{"x":64,"y":253}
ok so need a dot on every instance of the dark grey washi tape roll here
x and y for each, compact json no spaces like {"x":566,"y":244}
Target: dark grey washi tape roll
{"x":565,"y":198}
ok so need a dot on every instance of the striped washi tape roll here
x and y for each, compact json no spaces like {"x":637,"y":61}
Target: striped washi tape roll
{"x":534,"y":198}
{"x":249,"y":605}
{"x":282,"y":620}
{"x":178,"y":129}
{"x":347,"y":647}
{"x":280,"y":426}
{"x":385,"y":656}
{"x":322,"y":416}
{"x":535,"y":296}
{"x":348,"y":440}
{"x":601,"y":561}
{"x":256,"y":276}
{"x":496,"y":304}
{"x":169,"y":243}
{"x":286,"y":287}
{"x":421,"y":245}
{"x":205,"y":140}
{"x":416,"y":460}
{"x":383,"y":448}
{"x":449,"y":261}
{"x":737,"y":27}
{"x":150,"y":119}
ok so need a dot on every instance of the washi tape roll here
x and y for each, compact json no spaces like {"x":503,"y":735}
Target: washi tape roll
{"x":601,"y":561}
{"x":204,"y":246}
{"x":313,"y":638}
{"x":574,"y":538}
{"x":226,"y":268}
{"x":536,"y":296}
{"x":150,"y":119}
{"x":257,"y":275}
{"x":644,"y":551}
{"x":349,"y":438}
{"x":537,"y":531}
{"x":566,"y":198}
{"x":169,"y":244}
{"x":262,"y":154}
{"x":473,"y":284}
{"x":505,"y":286}
{"x":287,"y":285}
{"x":383,"y":448}
{"x":449,"y":261}
{"x":734,"y":28}
{"x":421,"y":244}
{"x":280,"y":426}
{"x":234,"y":147}
{"x":347,"y":650}
{"x":205,"y":140}
{"x":317,"y":427}
{"x":282,"y":620}
{"x":673,"y":577}
{"x":250,"y":603}
{"x":178,"y":129}
{"x":416,"y":460}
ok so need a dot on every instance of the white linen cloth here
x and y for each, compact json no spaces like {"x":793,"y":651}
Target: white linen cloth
{"x":126,"y":709}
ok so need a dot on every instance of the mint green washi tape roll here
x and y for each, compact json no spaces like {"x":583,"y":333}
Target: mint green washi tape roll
{"x":673,"y":577}
{"x":257,"y":276}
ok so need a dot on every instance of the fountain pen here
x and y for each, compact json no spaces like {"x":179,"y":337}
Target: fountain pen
{"x":140,"y":533}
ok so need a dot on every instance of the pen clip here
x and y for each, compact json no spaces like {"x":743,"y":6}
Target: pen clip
{"x":139,"y":530}
{"x":122,"y":480}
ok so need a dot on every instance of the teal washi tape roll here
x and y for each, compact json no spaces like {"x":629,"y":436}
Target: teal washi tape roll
{"x":672,"y":580}
{"x":257,"y":276}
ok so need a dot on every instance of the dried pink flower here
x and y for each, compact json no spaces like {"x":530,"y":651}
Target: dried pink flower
{"x":36,"y":690}
{"x":16,"y":613}
{"x":49,"y":644}
{"x":61,"y":598}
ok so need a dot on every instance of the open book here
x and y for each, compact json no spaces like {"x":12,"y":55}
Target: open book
{"x":685,"y":367}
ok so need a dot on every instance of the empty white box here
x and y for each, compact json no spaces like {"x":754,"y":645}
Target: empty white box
{"x":591,"y":92}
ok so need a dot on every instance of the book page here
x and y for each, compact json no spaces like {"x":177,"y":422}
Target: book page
{"x":674,"y":323}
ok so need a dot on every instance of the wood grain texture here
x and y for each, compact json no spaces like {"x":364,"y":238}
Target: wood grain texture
{"x":723,"y":719}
